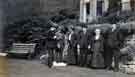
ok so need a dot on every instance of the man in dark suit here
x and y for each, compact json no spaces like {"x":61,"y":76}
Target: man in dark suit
{"x":73,"y":39}
{"x":83,"y":46}
{"x":112,"y":48}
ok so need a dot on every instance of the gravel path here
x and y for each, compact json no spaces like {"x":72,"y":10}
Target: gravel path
{"x":25,"y":68}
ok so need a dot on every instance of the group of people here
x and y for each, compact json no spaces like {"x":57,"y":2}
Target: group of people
{"x":85,"y":48}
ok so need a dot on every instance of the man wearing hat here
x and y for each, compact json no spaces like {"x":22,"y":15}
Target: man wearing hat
{"x":83,"y":46}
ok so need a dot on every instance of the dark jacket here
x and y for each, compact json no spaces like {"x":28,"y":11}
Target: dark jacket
{"x":113,"y":39}
{"x":84,"y":39}
{"x":51,"y":42}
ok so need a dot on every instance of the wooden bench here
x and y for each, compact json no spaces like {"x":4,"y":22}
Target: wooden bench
{"x":22,"y":48}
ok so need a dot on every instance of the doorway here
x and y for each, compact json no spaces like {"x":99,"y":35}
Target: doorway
{"x":99,"y":7}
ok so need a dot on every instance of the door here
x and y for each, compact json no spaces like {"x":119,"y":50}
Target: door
{"x":99,"y":7}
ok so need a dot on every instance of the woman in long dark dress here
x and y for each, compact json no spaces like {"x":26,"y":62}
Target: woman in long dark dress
{"x":97,"y":48}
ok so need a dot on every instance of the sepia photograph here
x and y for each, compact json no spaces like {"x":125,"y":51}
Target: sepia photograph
{"x":67,"y":38}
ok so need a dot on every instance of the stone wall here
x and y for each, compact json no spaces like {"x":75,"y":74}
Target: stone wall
{"x":14,"y":9}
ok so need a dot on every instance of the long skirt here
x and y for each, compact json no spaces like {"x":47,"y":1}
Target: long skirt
{"x":72,"y":56}
{"x":97,"y":60}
